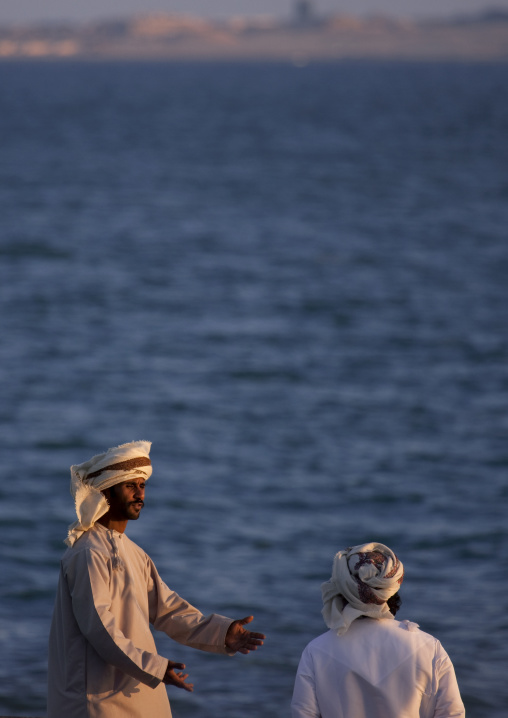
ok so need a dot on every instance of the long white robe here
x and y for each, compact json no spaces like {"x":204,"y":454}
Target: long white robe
{"x":103,"y":662}
{"x":377,"y":669}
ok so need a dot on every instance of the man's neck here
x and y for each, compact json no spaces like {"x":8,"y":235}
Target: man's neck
{"x":115,"y":524}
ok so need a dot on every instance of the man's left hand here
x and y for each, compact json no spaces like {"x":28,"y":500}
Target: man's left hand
{"x":240,"y":640}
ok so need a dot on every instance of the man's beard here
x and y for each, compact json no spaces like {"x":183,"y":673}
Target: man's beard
{"x":133,"y":510}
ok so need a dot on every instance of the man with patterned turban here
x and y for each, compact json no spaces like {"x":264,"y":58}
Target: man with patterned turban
{"x":103,"y":662}
{"x":369,"y":665}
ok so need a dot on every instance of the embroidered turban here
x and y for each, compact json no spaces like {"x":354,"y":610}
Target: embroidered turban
{"x":121,"y":463}
{"x":363,"y":579}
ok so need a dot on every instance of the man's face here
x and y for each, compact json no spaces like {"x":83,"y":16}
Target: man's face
{"x":126,"y":499}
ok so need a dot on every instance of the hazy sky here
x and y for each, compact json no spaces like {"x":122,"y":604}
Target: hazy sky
{"x":12,"y":11}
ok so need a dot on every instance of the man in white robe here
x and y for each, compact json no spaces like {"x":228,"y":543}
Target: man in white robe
{"x":369,"y":665}
{"x":103,"y":662}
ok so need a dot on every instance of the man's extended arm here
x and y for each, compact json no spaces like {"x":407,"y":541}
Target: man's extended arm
{"x":186,"y":624}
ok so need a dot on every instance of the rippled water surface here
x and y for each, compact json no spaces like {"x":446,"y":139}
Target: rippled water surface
{"x":294,"y":281}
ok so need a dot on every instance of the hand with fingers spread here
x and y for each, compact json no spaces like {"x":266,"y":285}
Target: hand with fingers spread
{"x":240,"y":640}
{"x":171,"y":678}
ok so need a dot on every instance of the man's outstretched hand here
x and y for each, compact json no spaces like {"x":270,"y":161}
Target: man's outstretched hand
{"x":240,"y":640}
{"x":171,"y":678}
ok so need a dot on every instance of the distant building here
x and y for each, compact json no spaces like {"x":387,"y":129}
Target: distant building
{"x":303,"y":12}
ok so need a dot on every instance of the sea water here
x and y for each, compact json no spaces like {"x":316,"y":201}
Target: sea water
{"x":294,"y":281}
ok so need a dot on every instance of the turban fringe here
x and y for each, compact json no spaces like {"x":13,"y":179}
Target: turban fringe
{"x":88,"y":480}
{"x":363,"y":579}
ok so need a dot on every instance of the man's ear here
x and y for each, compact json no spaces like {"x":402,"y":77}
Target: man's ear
{"x":107,"y":494}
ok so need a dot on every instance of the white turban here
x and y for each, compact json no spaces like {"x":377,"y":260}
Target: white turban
{"x":121,"y":463}
{"x":363,"y":579}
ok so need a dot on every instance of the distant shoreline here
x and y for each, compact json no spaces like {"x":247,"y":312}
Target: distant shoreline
{"x":177,"y":38}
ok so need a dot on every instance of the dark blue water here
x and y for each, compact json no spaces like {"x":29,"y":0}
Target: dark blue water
{"x":294,"y":281}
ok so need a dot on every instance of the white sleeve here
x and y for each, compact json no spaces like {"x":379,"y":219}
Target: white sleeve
{"x":304,"y":703}
{"x":448,"y":701}
{"x":182,"y":622}
{"x":88,"y":578}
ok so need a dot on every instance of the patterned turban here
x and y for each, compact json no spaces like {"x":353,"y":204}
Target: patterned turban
{"x":88,"y":480}
{"x":363,"y":579}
